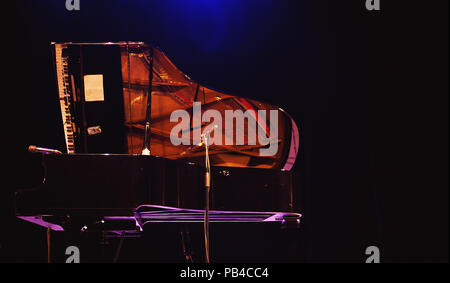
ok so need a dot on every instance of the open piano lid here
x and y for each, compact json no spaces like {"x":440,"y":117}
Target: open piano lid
{"x":103,"y":90}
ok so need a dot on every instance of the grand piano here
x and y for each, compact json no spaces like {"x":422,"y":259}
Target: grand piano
{"x":135,"y":128}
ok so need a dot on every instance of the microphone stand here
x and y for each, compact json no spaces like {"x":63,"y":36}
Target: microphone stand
{"x":146,"y":145}
{"x":207,"y":191}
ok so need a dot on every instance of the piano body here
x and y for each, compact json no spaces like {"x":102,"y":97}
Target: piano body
{"x":104,"y":90}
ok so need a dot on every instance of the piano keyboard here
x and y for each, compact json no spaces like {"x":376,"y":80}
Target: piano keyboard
{"x":65,"y":94}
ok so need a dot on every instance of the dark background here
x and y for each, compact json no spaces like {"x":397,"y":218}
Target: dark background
{"x":368,"y":89}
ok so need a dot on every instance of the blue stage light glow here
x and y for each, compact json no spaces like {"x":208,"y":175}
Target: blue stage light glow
{"x":211,"y":24}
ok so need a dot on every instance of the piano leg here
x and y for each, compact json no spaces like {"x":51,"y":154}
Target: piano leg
{"x":119,"y":247}
{"x":48,"y":244}
{"x":186,"y":243}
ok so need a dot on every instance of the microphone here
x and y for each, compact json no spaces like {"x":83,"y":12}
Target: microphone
{"x":206,"y":133}
{"x":204,"y":136}
{"x":202,"y":143}
{"x":210,"y":130}
{"x":33,"y":148}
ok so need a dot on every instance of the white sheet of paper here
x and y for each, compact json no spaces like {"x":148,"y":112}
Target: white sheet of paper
{"x":93,"y":88}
